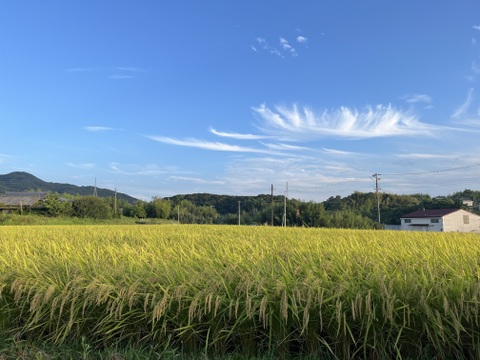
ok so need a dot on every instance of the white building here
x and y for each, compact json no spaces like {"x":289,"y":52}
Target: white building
{"x":445,"y":220}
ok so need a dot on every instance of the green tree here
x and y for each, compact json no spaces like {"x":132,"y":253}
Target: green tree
{"x":91,"y":207}
{"x":56,"y":206}
{"x":159,"y":208}
{"x":139,"y":210}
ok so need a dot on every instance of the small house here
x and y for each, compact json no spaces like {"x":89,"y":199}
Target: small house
{"x":443,"y":220}
{"x":20,"y":201}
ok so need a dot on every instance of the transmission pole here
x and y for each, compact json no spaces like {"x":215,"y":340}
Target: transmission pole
{"x":377,"y":179}
{"x":284,"y":220}
{"x":115,"y":203}
{"x":272,"y":206}
{"x":238,"y":212}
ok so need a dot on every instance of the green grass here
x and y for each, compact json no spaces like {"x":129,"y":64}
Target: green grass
{"x":16,"y":219}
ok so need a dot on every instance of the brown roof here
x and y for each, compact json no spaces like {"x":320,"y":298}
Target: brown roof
{"x":22,"y":198}
{"x":433,"y":213}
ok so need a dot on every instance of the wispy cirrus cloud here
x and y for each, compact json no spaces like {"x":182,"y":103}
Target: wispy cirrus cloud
{"x":476,"y":27}
{"x":418,"y":98}
{"x":114,"y":73}
{"x":4,"y":158}
{"x":98,"y":128}
{"x":296,"y":123}
{"x":85,"y":166}
{"x":427,"y":156}
{"x":78,"y":69}
{"x":337,"y":152}
{"x":197,"y":180}
{"x":129,"y":69}
{"x":463,"y":109}
{"x":475,"y":68}
{"x":120,"y":77}
{"x":206,"y":145}
{"x":237,"y":135}
{"x":141,"y":169}
{"x":286,"y":147}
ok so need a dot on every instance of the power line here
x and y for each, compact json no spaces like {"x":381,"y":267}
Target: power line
{"x":432,"y":171}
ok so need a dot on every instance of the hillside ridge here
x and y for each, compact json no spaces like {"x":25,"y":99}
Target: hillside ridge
{"x":18,"y":181}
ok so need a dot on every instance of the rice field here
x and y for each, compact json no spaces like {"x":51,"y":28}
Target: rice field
{"x":220,"y":290}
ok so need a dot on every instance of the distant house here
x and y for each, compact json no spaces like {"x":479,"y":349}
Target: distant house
{"x":20,"y":201}
{"x":468,"y":203}
{"x":444,"y":220}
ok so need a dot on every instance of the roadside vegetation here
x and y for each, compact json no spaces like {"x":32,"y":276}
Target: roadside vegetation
{"x":233,"y":292}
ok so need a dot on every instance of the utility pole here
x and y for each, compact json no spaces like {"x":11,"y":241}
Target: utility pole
{"x":95,"y":188}
{"x":284,"y":220}
{"x":239,"y":212}
{"x":272,"y":205}
{"x":115,"y":203}
{"x":377,"y":179}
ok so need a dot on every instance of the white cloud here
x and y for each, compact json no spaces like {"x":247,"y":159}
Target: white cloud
{"x":285,"y":147}
{"x":475,"y":68}
{"x":206,"y":145}
{"x":418,"y":98}
{"x":302,"y":39}
{"x":337,"y":152}
{"x":116,"y":73}
{"x":129,"y":69}
{"x":463,"y":109}
{"x":81,"y":166}
{"x":141,"y":169}
{"x":427,"y":156}
{"x":302,"y":124}
{"x":283,"y":47}
{"x":474,"y":122}
{"x":4,"y":158}
{"x":312,"y":178}
{"x":97,"y":128}
{"x":237,"y":136}
{"x":476,"y":27}
{"x":287,"y":47}
{"x":265,"y":46}
{"x":79,"y":70}
{"x":197,"y":180}
{"x":120,"y":77}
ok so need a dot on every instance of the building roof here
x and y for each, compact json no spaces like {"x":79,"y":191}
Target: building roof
{"x":433,"y":213}
{"x":21,"y":198}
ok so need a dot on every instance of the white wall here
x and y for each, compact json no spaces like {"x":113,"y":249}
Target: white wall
{"x":429,"y":225}
{"x":456,"y":222}
{"x":452,"y":222}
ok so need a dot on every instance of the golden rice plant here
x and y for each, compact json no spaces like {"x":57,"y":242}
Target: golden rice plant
{"x":252,"y":290}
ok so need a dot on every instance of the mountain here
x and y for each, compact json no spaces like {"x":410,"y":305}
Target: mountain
{"x":23,"y":181}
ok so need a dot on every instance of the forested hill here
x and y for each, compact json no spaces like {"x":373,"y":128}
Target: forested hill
{"x":228,"y":204}
{"x":23,"y":181}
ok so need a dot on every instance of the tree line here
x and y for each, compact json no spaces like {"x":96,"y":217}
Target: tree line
{"x":358,"y":210}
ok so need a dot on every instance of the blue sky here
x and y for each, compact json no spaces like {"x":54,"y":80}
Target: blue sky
{"x":158,"y":98}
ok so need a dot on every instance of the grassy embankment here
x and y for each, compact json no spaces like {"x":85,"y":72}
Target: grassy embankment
{"x":16,"y":219}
